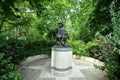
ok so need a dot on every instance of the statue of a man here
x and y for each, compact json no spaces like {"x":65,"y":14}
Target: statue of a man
{"x":61,"y":34}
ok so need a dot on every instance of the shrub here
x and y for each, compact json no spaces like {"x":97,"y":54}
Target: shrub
{"x":101,"y":50}
{"x":78,"y":47}
{"x":20,"y":49}
{"x":14,"y":48}
{"x":38,"y":47}
{"x":7,"y":69}
{"x":108,"y":51}
{"x":81,"y":48}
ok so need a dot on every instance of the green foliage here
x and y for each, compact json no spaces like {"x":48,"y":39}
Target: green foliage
{"x":38,"y":47}
{"x":91,"y":44}
{"x":7,"y":69}
{"x":15,"y":52}
{"x":81,"y":48}
{"x":100,"y":17}
{"x":32,"y":17}
{"x":108,"y":52}
{"x":106,"y":21}
{"x":113,"y":64}
{"x":20,"y":49}
{"x":14,"y":48}
{"x":101,"y":50}
{"x":22,"y":31}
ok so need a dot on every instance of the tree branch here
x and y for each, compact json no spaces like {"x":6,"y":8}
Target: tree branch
{"x":2,"y":22}
{"x":7,"y":29}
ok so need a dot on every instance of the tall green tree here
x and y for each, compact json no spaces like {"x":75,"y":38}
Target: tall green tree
{"x":105,"y":20}
{"x":16,"y":15}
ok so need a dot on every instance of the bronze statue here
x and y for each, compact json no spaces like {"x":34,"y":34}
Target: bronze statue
{"x":60,"y":33}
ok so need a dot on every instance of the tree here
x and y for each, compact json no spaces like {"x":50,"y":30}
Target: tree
{"x":14,"y":14}
{"x":105,"y":20}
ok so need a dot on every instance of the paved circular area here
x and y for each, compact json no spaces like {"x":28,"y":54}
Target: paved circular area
{"x":38,"y":68}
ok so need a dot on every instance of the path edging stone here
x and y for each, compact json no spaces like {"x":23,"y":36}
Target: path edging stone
{"x":90,"y":60}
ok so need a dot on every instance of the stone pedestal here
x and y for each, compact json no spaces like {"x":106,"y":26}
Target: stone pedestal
{"x":61,"y":61}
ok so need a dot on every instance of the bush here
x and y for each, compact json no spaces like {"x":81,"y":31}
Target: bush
{"x":108,"y":51}
{"x":81,"y":48}
{"x":14,"y":48}
{"x":7,"y":69}
{"x":38,"y":47}
{"x":78,"y":47}
{"x":21,"y":49}
{"x":101,"y":50}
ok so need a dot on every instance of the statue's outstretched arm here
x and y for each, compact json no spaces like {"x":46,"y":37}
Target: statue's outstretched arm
{"x":51,"y":30}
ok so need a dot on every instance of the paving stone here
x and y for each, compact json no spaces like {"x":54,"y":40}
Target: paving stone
{"x":93,"y":74}
{"x":38,"y":62}
{"x":76,"y":79}
{"x":33,"y":58}
{"x":30,"y":74}
{"x":40,"y":69}
{"x":75,"y":75}
{"x":62,"y":78}
{"x":46,"y":74}
{"x":48,"y":79}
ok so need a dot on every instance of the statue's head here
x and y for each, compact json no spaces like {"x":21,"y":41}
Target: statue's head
{"x":61,"y":25}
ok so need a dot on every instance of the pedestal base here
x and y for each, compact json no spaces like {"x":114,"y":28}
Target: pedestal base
{"x":61,"y":62}
{"x":74,"y":75}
